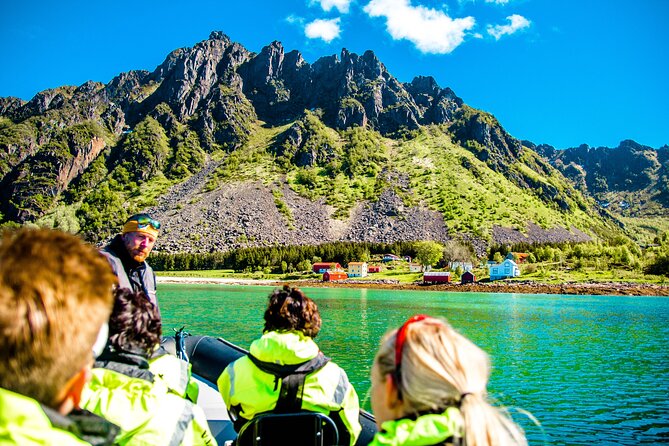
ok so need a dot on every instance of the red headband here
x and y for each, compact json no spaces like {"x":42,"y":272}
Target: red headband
{"x":400,"y":338}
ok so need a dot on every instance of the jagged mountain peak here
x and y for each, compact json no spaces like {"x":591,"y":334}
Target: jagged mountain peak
{"x":209,"y":106}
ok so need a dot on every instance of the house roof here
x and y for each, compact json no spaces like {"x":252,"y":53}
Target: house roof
{"x":325,"y":264}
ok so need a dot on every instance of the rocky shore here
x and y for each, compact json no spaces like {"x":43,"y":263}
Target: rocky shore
{"x":520,"y":287}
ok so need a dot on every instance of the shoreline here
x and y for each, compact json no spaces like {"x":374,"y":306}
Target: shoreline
{"x":524,"y":287}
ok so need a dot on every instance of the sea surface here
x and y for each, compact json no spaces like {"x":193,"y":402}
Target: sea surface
{"x":592,"y":370}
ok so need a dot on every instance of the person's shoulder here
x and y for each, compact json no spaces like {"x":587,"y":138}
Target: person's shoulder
{"x":118,"y":382}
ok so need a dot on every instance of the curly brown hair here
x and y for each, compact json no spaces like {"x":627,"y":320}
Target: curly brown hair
{"x":290,"y":309}
{"x":134,"y":325}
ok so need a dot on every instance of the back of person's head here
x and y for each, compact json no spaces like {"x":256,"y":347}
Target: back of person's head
{"x":55,"y":294}
{"x":290,"y":309}
{"x":134,"y":325}
{"x":434,"y":367}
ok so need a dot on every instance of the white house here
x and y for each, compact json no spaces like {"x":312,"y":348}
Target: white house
{"x":508,"y":268}
{"x":466,"y":266}
{"x":357,"y":269}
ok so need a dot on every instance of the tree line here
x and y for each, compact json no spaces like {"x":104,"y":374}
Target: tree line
{"x":279,"y":258}
{"x":285,"y":259}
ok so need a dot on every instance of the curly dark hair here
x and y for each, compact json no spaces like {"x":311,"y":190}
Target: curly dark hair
{"x":135,"y":324}
{"x":290,"y":309}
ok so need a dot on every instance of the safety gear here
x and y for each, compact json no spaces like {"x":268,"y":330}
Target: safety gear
{"x":23,"y":421}
{"x":248,"y":391}
{"x":430,"y":429}
{"x":146,"y":412}
{"x":132,"y":275}
{"x":142,"y":223}
{"x":176,"y":374}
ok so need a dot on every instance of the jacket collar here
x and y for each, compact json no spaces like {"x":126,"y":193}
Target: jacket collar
{"x":17,"y":408}
{"x":429,"y":429}
{"x":83,"y":424}
{"x":134,"y":365}
{"x":284,"y":347}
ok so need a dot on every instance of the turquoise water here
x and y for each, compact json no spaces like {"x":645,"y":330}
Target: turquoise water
{"x":591,"y":369}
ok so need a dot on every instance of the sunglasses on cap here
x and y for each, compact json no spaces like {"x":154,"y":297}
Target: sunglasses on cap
{"x":144,"y":220}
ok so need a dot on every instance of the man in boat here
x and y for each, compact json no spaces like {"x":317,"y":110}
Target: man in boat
{"x":128,"y":251}
{"x":55,"y":299}
{"x":127,"y":255}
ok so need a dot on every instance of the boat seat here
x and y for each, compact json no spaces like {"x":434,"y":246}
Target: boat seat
{"x":295,"y":429}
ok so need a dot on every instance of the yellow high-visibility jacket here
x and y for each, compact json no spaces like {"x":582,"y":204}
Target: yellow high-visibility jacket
{"x":249,"y":391}
{"x":146,"y":412}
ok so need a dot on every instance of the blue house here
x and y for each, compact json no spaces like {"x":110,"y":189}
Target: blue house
{"x":508,"y":268}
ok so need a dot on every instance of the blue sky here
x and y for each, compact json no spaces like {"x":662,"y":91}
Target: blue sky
{"x":560,"y":72}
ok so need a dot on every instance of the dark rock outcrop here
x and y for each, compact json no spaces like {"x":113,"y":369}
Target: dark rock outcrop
{"x":205,"y":102}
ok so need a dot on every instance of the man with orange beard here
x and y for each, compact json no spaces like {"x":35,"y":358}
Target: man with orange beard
{"x":128,"y":251}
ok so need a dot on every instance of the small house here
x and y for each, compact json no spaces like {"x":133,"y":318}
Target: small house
{"x":518,"y":257}
{"x":437,"y":277}
{"x":357,"y":269}
{"x":332,"y":276}
{"x":374,"y":269}
{"x":321,"y":267}
{"x":467,"y":277}
{"x":390,"y":257}
{"x":508,"y":268}
{"x":415,"y":267}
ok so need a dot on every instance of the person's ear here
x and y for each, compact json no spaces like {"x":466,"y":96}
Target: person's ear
{"x":392,"y":395}
{"x":73,"y":389}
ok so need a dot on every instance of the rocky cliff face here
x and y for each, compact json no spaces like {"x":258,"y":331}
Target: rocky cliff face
{"x":104,"y":149}
{"x":615,"y":173}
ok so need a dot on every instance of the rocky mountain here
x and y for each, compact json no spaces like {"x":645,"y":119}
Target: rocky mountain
{"x":630,"y":179}
{"x":232,"y":148}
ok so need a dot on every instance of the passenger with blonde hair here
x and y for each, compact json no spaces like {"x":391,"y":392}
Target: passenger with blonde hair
{"x":429,"y":388}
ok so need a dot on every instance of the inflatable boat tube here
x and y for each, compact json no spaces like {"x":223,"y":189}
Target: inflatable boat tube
{"x":209,"y":356}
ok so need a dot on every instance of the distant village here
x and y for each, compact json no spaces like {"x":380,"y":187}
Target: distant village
{"x":508,"y":268}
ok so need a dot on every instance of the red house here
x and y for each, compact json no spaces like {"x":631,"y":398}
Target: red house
{"x":467,"y":277}
{"x":321,"y":267}
{"x":436,"y":277}
{"x":374,"y":269}
{"x":331,"y":276}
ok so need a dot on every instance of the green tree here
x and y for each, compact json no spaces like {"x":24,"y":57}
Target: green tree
{"x":429,"y":252}
{"x":304,"y":265}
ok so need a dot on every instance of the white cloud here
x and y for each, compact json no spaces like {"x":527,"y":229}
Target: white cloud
{"x":327,"y":30}
{"x":341,"y":5}
{"x":294,"y":20}
{"x":498,"y":2}
{"x":517,"y":22}
{"x":432,"y":31}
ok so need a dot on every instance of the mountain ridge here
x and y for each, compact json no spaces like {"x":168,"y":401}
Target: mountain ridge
{"x":341,"y":132}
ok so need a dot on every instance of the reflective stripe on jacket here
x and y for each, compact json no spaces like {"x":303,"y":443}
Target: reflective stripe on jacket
{"x":23,"y":422}
{"x":176,"y":374}
{"x":430,"y":429}
{"x":146,"y":412}
{"x":248,"y":391}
